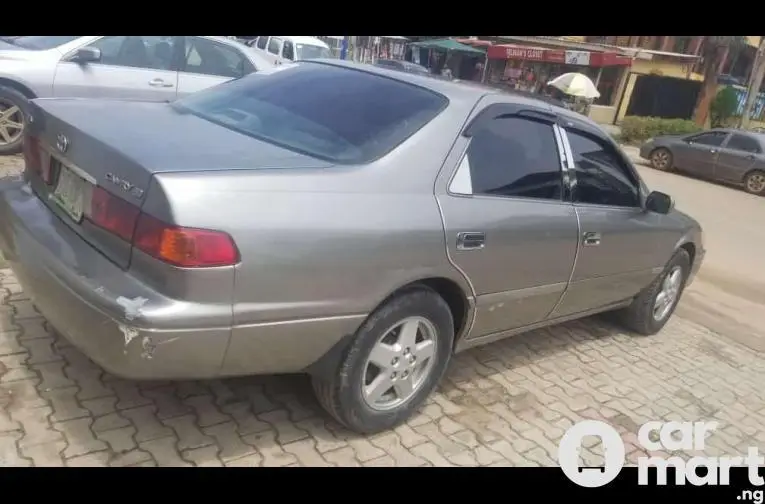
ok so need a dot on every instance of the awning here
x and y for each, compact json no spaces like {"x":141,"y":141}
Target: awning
{"x":447,"y":45}
{"x":576,"y":57}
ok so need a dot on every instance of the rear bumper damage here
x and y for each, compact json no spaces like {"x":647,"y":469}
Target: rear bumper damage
{"x":124,"y":326}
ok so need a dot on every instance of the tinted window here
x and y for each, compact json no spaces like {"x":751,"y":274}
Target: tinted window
{"x":43,"y":42}
{"x":211,"y":58}
{"x":296,"y":106}
{"x":602,"y":178}
{"x":262,"y":41}
{"x":288,"y":51}
{"x":137,"y":51}
{"x":743,"y":143}
{"x":712,"y":138}
{"x":274,"y":45}
{"x":515,"y":157}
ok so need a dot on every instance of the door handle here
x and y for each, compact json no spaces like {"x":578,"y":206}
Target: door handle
{"x":591,"y":239}
{"x":471,"y":240}
{"x":712,"y":151}
{"x":159,"y":83}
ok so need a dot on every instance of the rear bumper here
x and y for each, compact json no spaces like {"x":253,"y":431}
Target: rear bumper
{"x":87,"y":299}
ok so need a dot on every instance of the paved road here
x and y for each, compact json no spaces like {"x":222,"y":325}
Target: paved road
{"x":503,"y":404}
{"x":729,"y":293}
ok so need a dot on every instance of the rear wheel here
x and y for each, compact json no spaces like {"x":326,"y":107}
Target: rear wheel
{"x":754,"y":182}
{"x":652,"y":308}
{"x":395,"y":361}
{"x":661,"y":159}
{"x":13,"y":107}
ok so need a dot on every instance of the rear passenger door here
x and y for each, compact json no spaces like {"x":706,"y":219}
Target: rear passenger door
{"x":508,"y":225}
{"x":736,"y":157}
{"x":622,"y":247}
{"x":131,"y":67}
{"x":206,"y":63}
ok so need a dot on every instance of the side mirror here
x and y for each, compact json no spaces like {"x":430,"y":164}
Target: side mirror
{"x":87,"y":55}
{"x":659,"y":202}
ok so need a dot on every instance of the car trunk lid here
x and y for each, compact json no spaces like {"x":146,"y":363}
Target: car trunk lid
{"x":94,"y":150}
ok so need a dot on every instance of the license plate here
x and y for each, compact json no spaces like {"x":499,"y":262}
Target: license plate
{"x":71,"y":192}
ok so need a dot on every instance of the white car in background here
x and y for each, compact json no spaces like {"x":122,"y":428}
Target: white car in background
{"x":281,"y":49}
{"x":148,"y":68}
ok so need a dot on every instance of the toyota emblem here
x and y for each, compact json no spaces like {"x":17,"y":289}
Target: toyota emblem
{"x":62,"y":142}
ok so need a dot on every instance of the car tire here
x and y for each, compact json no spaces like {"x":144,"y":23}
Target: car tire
{"x":661,"y":159}
{"x":645,"y":316}
{"x":344,"y":393}
{"x":754,"y":182}
{"x":10,"y":98}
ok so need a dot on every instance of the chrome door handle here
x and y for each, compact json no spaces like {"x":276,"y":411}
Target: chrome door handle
{"x":471,"y":240}
{"x":159,"y":83}
{"x":591,"y":239}
{"x":712,"y":151}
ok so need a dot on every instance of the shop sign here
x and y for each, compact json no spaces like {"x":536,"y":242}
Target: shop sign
{"x":525,"y":53}
{"x":578,"y":58}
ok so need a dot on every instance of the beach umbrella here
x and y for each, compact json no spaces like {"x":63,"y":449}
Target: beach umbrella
{"x":575,"y":84}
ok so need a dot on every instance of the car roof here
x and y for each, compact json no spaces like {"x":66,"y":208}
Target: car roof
{"x":457,"y":89}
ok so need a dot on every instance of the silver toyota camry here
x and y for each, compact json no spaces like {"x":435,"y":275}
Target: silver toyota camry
{"x":351,"y":222}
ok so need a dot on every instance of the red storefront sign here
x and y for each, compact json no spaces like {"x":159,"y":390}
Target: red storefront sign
{"x":609,"y":59}
{"x":527,"y":53}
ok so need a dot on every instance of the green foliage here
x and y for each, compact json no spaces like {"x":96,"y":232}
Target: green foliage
{"x":723,"y":107}
{"x":639,"y":129}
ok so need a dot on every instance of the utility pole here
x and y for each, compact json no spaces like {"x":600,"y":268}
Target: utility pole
{"x":755,"y":81}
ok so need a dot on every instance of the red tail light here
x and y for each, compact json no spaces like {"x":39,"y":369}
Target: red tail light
{"x":185,"y":247}
{"x":179,"y":246}
{"x":112,"y":214}
{"x":35,"y":160}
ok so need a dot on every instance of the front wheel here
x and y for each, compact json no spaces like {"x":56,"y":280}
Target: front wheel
{"x":661,"y":159}
{"x":652,"y":308}
{"x":395,"y":361}
{"x":754,"y":182}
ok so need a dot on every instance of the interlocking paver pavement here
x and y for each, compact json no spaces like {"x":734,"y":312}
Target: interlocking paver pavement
{"x":503,"y":404}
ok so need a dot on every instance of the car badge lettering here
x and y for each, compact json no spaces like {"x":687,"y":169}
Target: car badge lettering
{"x":62,"y":142}
{"x":126,"y":186}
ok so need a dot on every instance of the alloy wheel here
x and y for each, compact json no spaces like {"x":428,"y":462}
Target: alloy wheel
{"x":667,"y":296}
{"x":399,"y":363}
{"x":11,"y":122}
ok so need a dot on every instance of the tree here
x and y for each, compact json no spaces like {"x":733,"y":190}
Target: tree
{"x":713,"y":53}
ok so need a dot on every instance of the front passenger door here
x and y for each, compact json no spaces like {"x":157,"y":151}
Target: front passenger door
{"x":131,"y":67}
{"x":622,"y":247}
{"x":698,"y":154}
{"x":207,"y":63}
{"x":508,"y":225}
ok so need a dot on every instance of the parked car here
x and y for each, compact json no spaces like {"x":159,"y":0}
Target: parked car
{"x":286,"y":49}
{"x":126,"y":67}
{"x":726,"y":155}
{"x":258,"y":228}
{"x":404,"y":66}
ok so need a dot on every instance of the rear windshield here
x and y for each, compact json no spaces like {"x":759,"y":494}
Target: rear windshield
{"x":332,"y":113}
